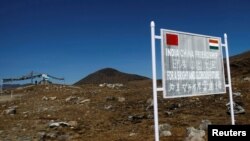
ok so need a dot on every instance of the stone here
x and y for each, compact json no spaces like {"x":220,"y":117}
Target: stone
{"x":237,"y":109}
{"x":84,"y":101}
{"x":132,"y":134}
{"x":168,"y":113}
{"x":107,"y":107}
{"x":52,"y":98}
{"x":10,"y":111}
{"x":236,"y":94}
{"x":102,"y":85}
{"x":111,"y":86}
{"x":204,"y":124}
{"x":71,"y":99}
{"x":194,"y":134}
{"x":246,"y":79}
{"x":165,"y":133}
{"x":57,"y":124}
{"x":150,"y":103}
{"x":41,"y":136}
{"x":45,"y":98}
{"x":51,"y":135}
{"x":164,"y":127}
{"x":194,"y":138}
{"x":73,"y":123}
{"x":121,"y":99}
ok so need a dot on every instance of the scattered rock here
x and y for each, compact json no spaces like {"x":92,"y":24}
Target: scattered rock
{"x":73,"y":123}
{"x":168,"y":113}
{"x":136,"y":117}
{"x":150,"y":103}
{"x":204,"y":124}
{"x":112,"y":86}
{"x":10,"y":111}
{"x":71,"y":99}
{"x":108,"y":107}
{"x":236,"y":94}
{"x":45,"y":98}
{"x":132,"y":134}
{"x":164,"y":127}
{"x":57,"y":124}
{"x":165,"y":133}
{"x":237,"y":109}
{"x":52,"y":98}
{"x":84,"y":101}
{"x":41,"y":136}
{"x":52,"y":135}
{"x":194,"y":134}
{"x":246,"y":79}
{"x":121,"y":99}
{"x":26,"y":112}
{"x":102,"y":85}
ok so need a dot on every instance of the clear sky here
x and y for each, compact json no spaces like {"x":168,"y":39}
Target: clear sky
{"x":72,"y":38}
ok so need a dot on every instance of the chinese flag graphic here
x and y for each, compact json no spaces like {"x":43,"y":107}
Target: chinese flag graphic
{"x":172,"y":39}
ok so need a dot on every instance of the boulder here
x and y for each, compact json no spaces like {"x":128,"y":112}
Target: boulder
{"x":73,"y":123}
{"x":237,"y":109}
{"x":84,"y":101}
{"x":121,"y":99}
{"x":165,"y":133}
{"x":45,"y":98}
{"x":204,"y":124}
{"x":71,"y":99}
{"x":10,"y":111}
{"x":194,"y":134}
{"x":164,"y":127}
{"x":57,"y":124}
{"x":52,"y":98}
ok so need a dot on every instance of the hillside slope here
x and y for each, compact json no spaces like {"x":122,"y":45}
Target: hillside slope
{"x":240,"y":65}
{"x":109,"y":75}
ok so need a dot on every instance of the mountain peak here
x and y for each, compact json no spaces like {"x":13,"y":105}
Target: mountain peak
{"x":109,"y":75}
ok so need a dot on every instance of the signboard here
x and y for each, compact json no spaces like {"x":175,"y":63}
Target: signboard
{"x":192,"y":64}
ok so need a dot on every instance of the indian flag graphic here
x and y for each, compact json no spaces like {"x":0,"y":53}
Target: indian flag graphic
{"x":214,"y":44}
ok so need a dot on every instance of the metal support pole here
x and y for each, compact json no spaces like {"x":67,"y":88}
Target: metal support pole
{"x":229,"y":80}
{"x":156,"y":120}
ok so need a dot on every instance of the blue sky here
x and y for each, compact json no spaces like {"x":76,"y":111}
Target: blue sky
{"x":72,"y":38}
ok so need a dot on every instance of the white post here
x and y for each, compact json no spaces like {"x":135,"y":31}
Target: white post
{"x":156,"y":121}
{"x":229,"y":80}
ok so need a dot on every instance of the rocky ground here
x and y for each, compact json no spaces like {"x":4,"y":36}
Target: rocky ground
{"x":112,"y":113}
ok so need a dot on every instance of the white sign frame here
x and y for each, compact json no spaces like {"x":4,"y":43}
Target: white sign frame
{"x":161,"y":89}
{"x":163,"y":62}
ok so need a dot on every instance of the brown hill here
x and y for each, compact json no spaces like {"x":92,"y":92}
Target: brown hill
{"x":240,"y":65}
{"x":109,"y":75}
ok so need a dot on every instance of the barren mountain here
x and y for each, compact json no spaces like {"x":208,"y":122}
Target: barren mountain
{"x":109,"y":75}
{"x":240,"y":65}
